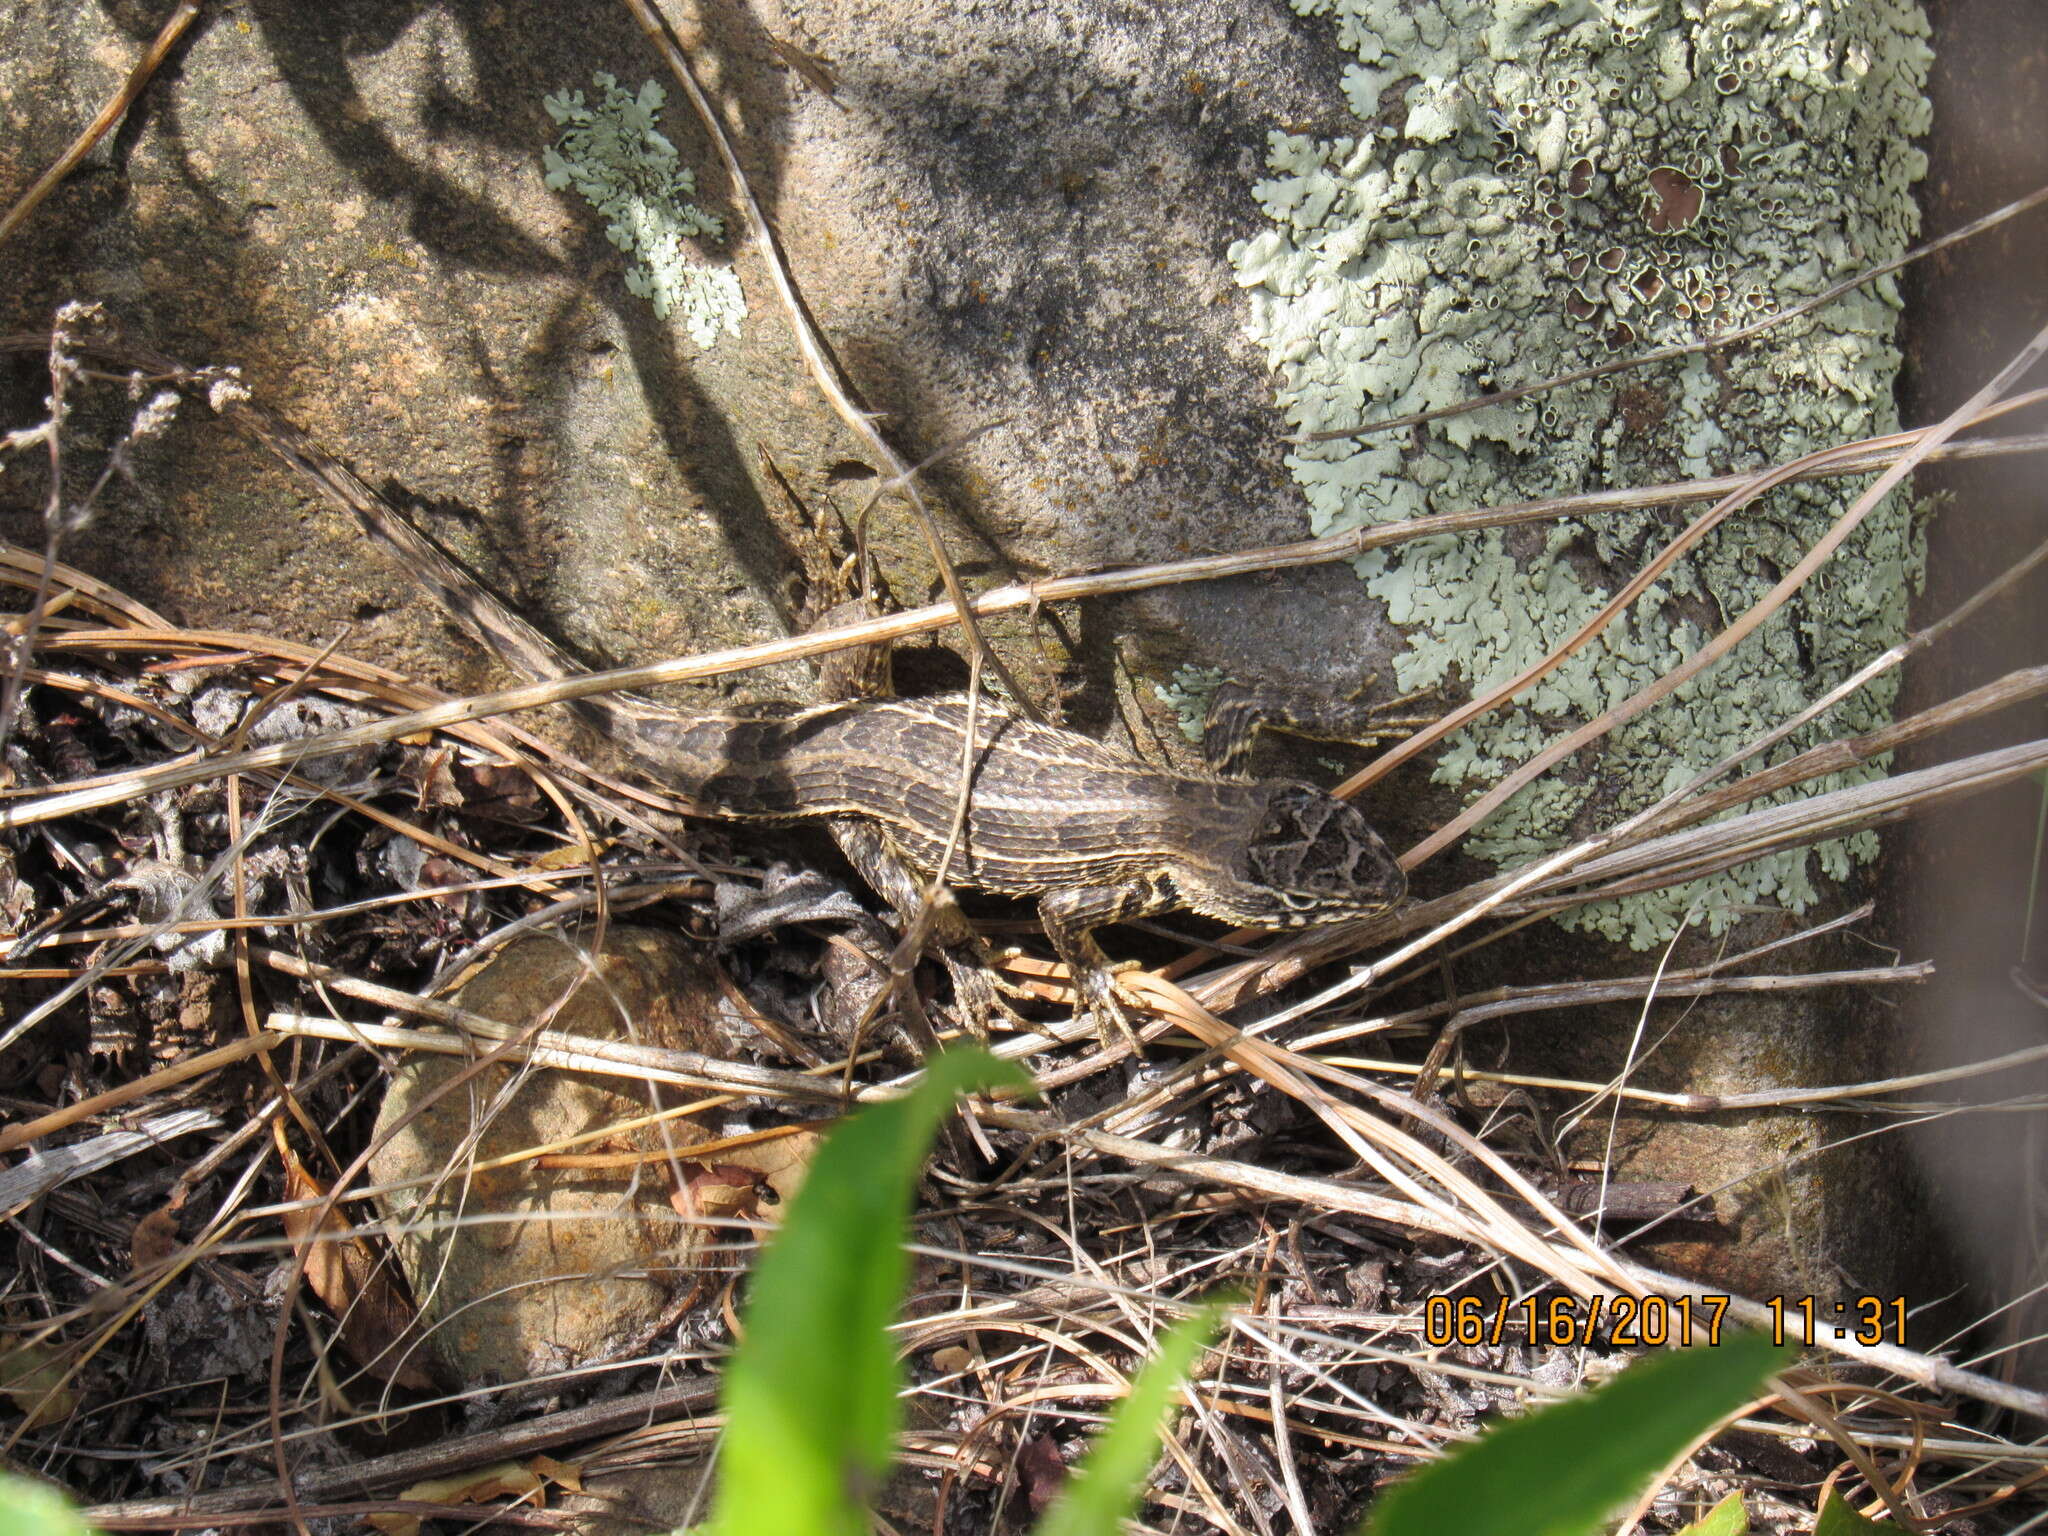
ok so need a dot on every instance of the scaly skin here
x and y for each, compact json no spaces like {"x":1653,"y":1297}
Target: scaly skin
{"x":1094,"y":836}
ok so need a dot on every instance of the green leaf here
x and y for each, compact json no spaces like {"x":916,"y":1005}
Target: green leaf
{"x":1839,"y":1518}
{"x":1563,"y":1469}
{"x":1106,"y":1487}
{"x":811,"y":1395}
{"x":31,"y":1509}
{"x":1727,"y":1518}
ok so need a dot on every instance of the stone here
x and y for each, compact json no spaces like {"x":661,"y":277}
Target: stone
{"x":524,"y":1270}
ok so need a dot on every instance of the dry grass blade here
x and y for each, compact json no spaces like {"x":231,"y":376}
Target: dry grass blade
{"x":824,"y":368}
{"x":1831,"y":757}
{"x":1306,"y":1192}
{"x":401,"y":1468}
{"x":115,"y":109}
{"x":1114,"y":1217}
{"x":1434,"y":1183}
{"x":572,"y":1053}
{"x":1743,"y":491}
{"x":1719,"y":845}
{"x":1734,"y":633}
{"x":36,"y":1176}
{"x":24,"y":571}
{"x":689,"y":1068}
{"x":456,"y":715}
{"x":14,"y":1136}
{"x":344,"y":678}
{"x":379,"y":1327}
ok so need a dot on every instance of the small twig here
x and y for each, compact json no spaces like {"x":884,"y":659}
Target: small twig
{"x":1559,"y":881}
{"x":1283,"y":1447}
{"x":918,"y":929}
{"x":693,"y":1398}
{"x":116,"y":108}
{"x":1334,"y":1195}
{"x":456,"y":713}
{"x":1589,"y":993}
{"x":2008,"y":690}
{"x":641,"y":891}
{"x":15,"y":1136}
{"x":1741,"y":628}
{"x":1834,"y":756}
{"x":691,"y":1068}
{"x":1744,"y":490}
{"x":1876,"y":1088}
{"x":1569,"y":993}
{"x":824,"y":368}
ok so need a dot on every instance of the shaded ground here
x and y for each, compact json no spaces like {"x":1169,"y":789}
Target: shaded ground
{"x":1965,"y":881}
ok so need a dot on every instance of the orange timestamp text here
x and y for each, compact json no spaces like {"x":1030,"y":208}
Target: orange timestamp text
{"x":1564,"y":1322}
{"x":1868,"y":1320}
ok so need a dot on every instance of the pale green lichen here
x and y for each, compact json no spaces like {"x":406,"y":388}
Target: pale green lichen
{"x":1537,"y":185}
{"x":613,"y":153}
{"x":1188,"y":696}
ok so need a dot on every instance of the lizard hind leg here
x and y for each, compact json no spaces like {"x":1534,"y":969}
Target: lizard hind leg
{"x":844,"y":588}
{"x":1237,"y":714}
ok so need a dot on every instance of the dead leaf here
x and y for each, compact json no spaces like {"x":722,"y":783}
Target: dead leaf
{"x":499,"y":791}
{"x":378,"y":1325}
{"x":33,"y":1376}
{"x":1042,"y":1471}
{"x":779,"y":1159}
{"x":506,"y":1479}
{"x":572,"y":855}
{"x":437,"y":871}
{"x":154,"y":1240}
{"x":433,"y":778}
{"x":568,"y":1474}
{"x":720,"y":1192}
{"x":816,"y":71}
{"x":754,"y":1177}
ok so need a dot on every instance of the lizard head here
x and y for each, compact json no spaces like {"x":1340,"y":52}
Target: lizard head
{"x":1315,"y":860}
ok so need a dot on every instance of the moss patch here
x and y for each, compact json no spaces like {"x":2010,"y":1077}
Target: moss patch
{"x":1536,"y":185}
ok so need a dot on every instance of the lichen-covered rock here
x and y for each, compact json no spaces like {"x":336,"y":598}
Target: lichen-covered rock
{"x":1011,"y":221}
{"x":612,"y":152}
{"x":1536,"y":185}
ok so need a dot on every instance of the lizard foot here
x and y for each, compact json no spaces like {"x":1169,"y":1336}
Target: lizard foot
{"x":977,"y":990}
{"x":1104,"y":1000}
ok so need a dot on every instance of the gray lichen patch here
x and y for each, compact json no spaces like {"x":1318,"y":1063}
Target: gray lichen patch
{"x":613,"y":153}
{"x":1188,"y":695}
{"x":1536,"y":185}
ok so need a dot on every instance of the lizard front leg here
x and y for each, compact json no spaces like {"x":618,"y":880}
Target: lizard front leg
{"x":1071,"y":917}
{"x":965,"y":954}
